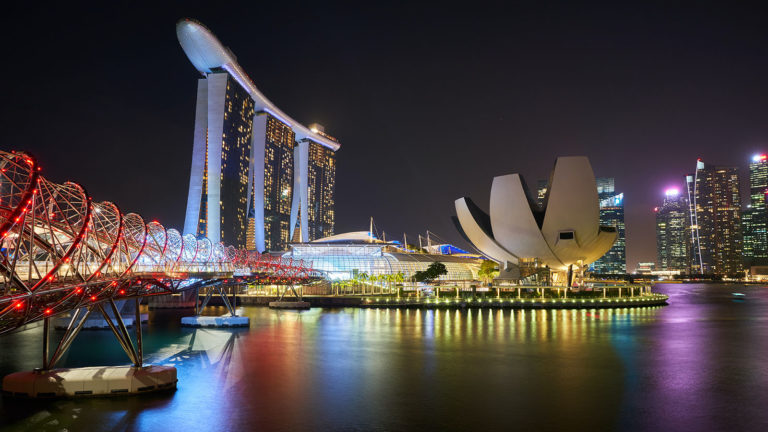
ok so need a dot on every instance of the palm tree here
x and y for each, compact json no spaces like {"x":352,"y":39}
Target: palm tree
{"x":488,"y":271}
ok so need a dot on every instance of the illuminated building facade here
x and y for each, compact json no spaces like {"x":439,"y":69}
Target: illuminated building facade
{"x":672,"y":232}
{"x":755,"y":217}
{"x":250,"y":175}
{"x":322,"y":184}
{"x":715,"y":215}
{"x":611,"y":214}
{"x":276,"y":141}
{"x":349,"y":255}
{"x":541,"y":192}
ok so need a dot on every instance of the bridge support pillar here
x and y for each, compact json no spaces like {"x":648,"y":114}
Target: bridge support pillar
{"x":227,"y":320}
{"x":47,"y":382}
{"x":296,"y":303}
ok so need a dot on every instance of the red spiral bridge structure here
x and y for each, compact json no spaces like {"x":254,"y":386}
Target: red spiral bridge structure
{"x":61,"y":252}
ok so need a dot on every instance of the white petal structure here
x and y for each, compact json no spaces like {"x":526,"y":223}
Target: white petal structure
{"x":565,"y":232}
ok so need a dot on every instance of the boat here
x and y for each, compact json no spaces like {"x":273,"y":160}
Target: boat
{"x":739,"y":296}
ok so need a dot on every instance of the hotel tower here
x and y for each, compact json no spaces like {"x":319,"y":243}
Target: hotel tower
{"x":715,"y":219}
{"x":259,"y":179}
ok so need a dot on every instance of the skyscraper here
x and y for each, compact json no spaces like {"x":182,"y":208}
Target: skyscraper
{"x":755,"y":217}
{"x":715,"y":215}
{"x":611,"y":214}
{"x":322,"y":183}
{"x":541,"y":192}
{"x":249,"y":183}
{"x":672,"y":235}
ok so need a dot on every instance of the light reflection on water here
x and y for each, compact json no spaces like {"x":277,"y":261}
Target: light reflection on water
{"x":661,"y":368}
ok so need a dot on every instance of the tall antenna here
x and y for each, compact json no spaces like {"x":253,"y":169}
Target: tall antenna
{"x":370,"y":232}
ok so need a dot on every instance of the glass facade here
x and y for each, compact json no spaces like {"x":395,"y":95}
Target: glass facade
{"x":715,"y":220}
{"x":755,"y":218}
{"x":235,"y":162}
{"x":348,"y":261}
{"x":611,"y":214}
{"x":237,"y":128}
{"x":322,"y":185}
{"x":541,"y":192}
{"x":672,"y":233}
{"x":278,"y":183}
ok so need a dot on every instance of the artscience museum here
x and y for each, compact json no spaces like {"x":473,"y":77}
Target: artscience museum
{"x":562,"y":236}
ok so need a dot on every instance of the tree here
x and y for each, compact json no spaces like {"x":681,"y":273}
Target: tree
{"x":434,"y":271}
{"x":399,"y":279}
{"x":488,"y":271}
{"x":437,"y":269}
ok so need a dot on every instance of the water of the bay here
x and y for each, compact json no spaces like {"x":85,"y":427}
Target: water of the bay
{"x":700,"y":363}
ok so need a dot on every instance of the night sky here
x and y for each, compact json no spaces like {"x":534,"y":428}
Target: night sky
{"x":429,"y":102}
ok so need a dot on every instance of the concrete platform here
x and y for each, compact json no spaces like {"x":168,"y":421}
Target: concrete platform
{"x":216,"y":321}
{"x":61,"y":323}
{"x":289,"y":305}
{"x":90,"y":381}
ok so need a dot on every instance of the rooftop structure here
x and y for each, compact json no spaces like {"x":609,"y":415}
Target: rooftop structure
{"x":208,"y":55}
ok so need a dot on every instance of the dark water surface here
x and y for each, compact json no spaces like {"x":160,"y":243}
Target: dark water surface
{"x":700,"y":363}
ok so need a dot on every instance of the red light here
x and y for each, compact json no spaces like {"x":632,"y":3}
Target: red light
{"x":93,"y":298}
{"x":122,"y":292}
{"x":19,"y":305}
{"x":78,"y":291}
{"x":47,"y":311}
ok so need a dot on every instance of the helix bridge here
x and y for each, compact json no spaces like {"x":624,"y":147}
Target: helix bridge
{"x":61,"y":252}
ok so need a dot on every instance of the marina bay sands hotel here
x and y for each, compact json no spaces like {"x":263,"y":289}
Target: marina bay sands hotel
{"x":259,"y":179}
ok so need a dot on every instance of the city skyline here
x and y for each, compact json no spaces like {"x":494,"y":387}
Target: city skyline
{"x":710,"y":226}
{"x":640,"y":108}
{"x":325,"y":216}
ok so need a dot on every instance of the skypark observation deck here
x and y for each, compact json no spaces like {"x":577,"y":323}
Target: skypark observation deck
{"x":208,"y":55}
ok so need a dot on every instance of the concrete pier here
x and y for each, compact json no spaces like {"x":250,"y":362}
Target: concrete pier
{"x":515,"y":303}
{"x":215,"y":321}
{"x":90,"y":381}
{"x":289,"y":305}
{"x":61,"y":323}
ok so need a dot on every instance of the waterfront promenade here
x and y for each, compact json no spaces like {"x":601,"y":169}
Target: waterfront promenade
{"x":515,"y":297}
